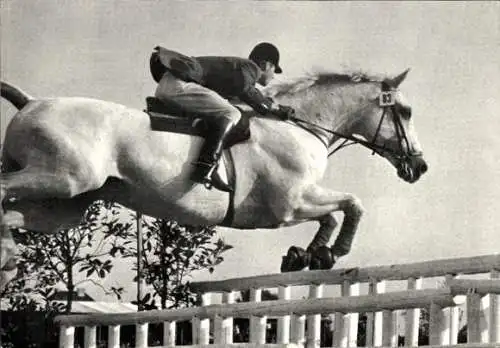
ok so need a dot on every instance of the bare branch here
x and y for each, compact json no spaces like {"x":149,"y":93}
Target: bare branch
{"x":89,"y":280}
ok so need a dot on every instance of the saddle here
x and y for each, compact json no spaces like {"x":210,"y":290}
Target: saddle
{"x":171,"y":117}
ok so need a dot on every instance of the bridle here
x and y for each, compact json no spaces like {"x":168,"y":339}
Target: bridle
{"x":387,"y":101}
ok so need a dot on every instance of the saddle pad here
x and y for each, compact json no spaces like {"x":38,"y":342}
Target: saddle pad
{"x":167,"y":123}
{"x":187,"y":125}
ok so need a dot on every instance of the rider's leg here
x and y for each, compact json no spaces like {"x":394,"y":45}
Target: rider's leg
{"x":219,"y":114}
{"x":210,"y":154}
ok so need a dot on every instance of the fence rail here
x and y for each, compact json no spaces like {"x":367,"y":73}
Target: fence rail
{"x":299,"y":320}
{"x":427,"y":269}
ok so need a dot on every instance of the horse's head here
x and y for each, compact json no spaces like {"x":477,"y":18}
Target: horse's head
{"x":388,"y":130}
{"x":352,"y":106}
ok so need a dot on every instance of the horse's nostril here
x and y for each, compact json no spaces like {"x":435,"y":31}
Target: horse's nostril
{"x":423,"y":168}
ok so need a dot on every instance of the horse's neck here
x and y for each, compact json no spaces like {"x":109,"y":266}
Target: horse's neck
{"x":338,"y":111}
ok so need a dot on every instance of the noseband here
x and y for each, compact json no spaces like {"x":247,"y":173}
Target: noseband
{"x":387,"y":101}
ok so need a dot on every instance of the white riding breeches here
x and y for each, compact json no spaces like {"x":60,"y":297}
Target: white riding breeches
{"x":196,"y":98}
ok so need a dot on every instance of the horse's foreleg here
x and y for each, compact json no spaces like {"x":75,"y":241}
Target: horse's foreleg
{"x":320,"y":204}
{"x":327,"y":224}
{"x":321,"y":257}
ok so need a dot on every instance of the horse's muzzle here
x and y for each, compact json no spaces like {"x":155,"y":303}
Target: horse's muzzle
{"x":411,"y":168}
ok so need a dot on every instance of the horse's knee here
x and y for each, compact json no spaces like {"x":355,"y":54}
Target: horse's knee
{"x":352,"y":205}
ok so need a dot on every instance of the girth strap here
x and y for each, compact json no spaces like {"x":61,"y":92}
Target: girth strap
{"x":227,"y":157}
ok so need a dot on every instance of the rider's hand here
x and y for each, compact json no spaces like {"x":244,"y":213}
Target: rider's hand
{"x":285,"y":112}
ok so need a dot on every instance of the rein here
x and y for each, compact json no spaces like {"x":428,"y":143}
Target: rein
{"x":387,"y":102}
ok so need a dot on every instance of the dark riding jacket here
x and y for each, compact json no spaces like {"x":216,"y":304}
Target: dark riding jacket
{"x":229,"y":76}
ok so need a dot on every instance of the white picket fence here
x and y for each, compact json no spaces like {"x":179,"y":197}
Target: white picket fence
{"x":471,"y":283}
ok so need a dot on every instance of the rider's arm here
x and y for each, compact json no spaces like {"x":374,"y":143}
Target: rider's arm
{"x":265,"y":106}
{"x":253,"y":97}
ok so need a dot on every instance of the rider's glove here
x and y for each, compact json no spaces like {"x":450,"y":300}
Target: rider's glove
{"x":284,"y":112}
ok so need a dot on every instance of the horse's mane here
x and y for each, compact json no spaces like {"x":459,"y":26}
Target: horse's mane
{"x":320,"y":78}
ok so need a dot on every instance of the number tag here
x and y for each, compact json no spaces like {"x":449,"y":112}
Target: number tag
{"x":387,"y":98}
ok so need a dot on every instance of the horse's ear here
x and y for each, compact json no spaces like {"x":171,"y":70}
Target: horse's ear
{"x":396,"y":81}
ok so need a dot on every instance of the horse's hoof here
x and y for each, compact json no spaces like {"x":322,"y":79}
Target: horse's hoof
{"x":322,"y":258}
{"x":296,"y":259}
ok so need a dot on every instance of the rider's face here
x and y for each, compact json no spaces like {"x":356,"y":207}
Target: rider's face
{"x":268,"y":71}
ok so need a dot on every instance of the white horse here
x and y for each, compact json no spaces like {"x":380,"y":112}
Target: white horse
{"x":62,"y":154}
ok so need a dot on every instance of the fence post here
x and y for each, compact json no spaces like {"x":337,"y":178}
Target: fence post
{"x":169,"y":334}
{"x":228,"y":323}
{"x":141,"y":335}
{"x":201,"y":328}
{"x":451,"y":320}
{"x":389,"y":334}
{"x":257,"y":324}
{"x":473,"y":317}
{"x":351,"y":319}
{"x":298,"y":334}
{"x":223,"y":327}
{"x":437,"y":332}
{"x":284,"y":321}
{"x":314,"y":321}
{"x":412,"y":316}
{"x":114,"y":336}
{"x":491,"y":311}
{"x":375,"y":320}
{"x":66,"y":336}
{"x":90,"y":337}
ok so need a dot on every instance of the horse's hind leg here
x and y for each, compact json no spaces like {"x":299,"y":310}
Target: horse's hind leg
{"x":35,"y":183}
{"x":8,"y":251}
{"x":43,"y":216}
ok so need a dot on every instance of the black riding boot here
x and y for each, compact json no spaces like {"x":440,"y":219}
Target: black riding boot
{"x":205,"y":171}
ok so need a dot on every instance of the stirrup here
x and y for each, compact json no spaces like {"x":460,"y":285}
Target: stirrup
{"x":219,"y":184}
{"x":212,"y":179}
{"x":216,"y":182}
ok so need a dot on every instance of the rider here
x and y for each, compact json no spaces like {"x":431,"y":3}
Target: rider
{"x":203,"y":85}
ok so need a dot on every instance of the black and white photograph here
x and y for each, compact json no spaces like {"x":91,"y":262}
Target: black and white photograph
{"x":249,"y":173}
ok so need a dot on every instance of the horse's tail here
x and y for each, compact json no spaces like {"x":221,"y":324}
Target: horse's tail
{"x":15,"y":95}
